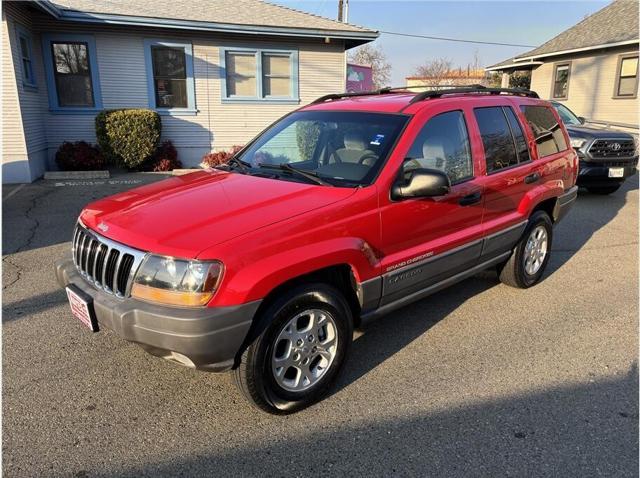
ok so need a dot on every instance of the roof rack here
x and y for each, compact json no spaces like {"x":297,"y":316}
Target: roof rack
{"x":337,"y":96}
{"x":472,"y":89}
{"x":434,"y":93}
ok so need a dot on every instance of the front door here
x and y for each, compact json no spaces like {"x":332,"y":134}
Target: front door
{"x":426,"y":240}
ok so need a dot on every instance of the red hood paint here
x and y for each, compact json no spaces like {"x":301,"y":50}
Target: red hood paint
{"x":185,"y":215}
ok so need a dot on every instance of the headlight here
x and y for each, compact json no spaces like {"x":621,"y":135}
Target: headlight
{"x":578,"y":143}
{"x":186,"y":283}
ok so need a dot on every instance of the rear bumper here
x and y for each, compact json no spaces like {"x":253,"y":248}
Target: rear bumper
{"x":565,"y":202}
{"x":207,"y":338}
{"x":594,"y":174}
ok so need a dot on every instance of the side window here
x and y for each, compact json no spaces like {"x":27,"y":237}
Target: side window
{"x":72,"y":72}
{"x":546,"y":130}
{"x":561,"y":74}
{"x":26,"y":57}
{"x":443,"y":144}
{"x":518,"y":136}
{"x":627,"y":77}
{"x":259,"y":75}
{"x":499,"y":148}
{"x":170,"y":82}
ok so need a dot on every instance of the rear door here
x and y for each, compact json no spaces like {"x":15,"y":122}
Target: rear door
{"x":510,"y":172}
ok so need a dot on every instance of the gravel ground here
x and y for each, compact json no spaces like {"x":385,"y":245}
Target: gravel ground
{"x":478,"y":380}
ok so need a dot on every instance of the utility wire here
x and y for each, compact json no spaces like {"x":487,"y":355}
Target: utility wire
{"x":455,"y":39}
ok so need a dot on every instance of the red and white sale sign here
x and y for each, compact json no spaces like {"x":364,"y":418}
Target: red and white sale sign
{"x":80,"y":308}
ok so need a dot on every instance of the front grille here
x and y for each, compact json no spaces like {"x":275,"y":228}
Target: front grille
{"x":103,"y":263}
{"x":617,"y":164}
{"x":612,"y":148}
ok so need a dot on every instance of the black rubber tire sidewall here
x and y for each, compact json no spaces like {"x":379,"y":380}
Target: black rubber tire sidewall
{"x":527,"y":280}
{"x":318,"y":296}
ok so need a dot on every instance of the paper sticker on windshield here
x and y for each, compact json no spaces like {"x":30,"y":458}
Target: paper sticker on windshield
{"x":377,"y":139}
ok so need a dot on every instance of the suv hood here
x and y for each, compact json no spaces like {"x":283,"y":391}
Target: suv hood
{"x":185,"y":215}
{"x":595,"y":132}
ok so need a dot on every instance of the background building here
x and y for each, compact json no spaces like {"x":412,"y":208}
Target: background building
{"x":218,"y":75}
{"x":592,"y":67}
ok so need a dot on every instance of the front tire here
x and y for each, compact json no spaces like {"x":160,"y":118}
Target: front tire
{"x":531,"y":255}
{"x":294,"y":361}
{"x":603,"y":190}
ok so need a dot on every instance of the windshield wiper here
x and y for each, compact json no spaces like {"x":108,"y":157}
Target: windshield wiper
{"x":242,"y":165}
{"x":306,"y":174}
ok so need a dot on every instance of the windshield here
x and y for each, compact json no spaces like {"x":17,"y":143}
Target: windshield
{"x":341,"y":147}
{"x":566,"y":114}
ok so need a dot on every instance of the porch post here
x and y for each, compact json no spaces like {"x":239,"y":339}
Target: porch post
{"x":505,"y":80}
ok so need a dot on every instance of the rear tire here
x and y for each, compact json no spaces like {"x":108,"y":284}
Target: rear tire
{"x":530,"y":256}
{"x":603,"y":190}
{"x":298,"y":356}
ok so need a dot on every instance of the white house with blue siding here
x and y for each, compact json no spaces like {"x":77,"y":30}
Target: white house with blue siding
{"x":217,"y":71}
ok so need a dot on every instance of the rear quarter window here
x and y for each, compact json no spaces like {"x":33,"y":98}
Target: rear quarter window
{"x":546,"y":130}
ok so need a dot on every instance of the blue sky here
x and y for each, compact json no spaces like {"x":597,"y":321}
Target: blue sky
{"x":520,"y":22}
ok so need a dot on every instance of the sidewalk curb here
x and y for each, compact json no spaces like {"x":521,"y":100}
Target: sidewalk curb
{"x":77,"y":175}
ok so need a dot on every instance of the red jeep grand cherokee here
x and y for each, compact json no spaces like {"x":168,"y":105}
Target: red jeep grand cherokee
{"x":343,"y":210}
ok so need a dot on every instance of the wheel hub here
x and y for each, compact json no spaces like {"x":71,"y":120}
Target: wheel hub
{"x":535,"y":250}
{"x":304,"y":350}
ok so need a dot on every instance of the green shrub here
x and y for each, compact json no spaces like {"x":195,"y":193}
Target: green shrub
{"x":307,"y":134}
{"x":128,"y":137}
{"x":79,"y":156}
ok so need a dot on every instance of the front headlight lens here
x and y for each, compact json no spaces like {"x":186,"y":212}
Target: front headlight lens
{"x":186,"y":283}
{"x":578,"y":143}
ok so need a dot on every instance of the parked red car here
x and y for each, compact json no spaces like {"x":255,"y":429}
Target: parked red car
{"x":343,"y":210}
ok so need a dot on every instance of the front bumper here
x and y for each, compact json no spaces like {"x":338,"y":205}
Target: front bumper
{"x":595,"y":174}
{"x":207,"y":338}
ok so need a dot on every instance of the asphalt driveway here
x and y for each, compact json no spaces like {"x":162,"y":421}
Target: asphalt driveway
{"x":479,"y":380}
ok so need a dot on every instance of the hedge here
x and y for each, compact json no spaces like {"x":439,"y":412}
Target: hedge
{"x":79,"y":156}
{"x":128,"y":136}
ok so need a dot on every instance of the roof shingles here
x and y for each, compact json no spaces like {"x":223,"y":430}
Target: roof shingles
{"x":615,"y":23}
{"x":235,"y":12}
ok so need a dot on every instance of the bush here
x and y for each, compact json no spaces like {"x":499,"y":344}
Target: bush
{"x":128,"y":137}
{"x":165,"y":158}
{"x":79,"y":156}
{"x":217,"y":158}
{"x":307,"y":134}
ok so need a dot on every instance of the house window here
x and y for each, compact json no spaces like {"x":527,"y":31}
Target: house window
{"x":259,"y":75}
{"x":241,"y":74}
{"x":170,"y":76}
{"x":26,"y":57}
{"x":72,"y":73}
{"x":627,"y":80}
{"x":276,"y":75}
{"x":561,"y":75}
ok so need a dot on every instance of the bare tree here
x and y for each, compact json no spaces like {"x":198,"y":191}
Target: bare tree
{"x":435,"y":71}
{"x":373,"y":56}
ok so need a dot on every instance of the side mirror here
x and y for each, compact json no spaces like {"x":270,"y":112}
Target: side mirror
{"x":421,"y":183}
{"x":582,"y":119}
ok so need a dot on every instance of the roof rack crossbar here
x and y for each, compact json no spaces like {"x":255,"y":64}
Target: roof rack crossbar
{"x":337,"y":96}
{"x":434,"y":93}
{"x":472,"y":89}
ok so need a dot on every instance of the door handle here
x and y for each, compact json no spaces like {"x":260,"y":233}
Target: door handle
{"x":532,"y":178}
{"x":470,"y":199}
